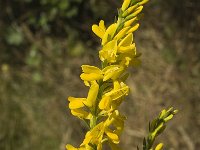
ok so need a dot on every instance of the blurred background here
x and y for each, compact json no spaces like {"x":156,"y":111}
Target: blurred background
{"x":43,"y":43}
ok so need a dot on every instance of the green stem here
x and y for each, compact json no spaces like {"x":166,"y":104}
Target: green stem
{"x":93,"y":121}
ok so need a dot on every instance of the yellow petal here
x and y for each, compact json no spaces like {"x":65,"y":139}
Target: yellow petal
{"x":99,"y":30}
{"x":110,"y":46}
{"x":92,"y":94}
{"x":112,"y":118}
{"x":71,"y":99}
{"x":110,"y":68}
{"x":81,"y":113}
{"x":91,"y":76}
{"x":87,"y":139}
{"x":112,"y":72}
{"x":125,"y":59}
{"x":88,"y":147}
{"x":134,"y":13}
{"x":130,"y":22}
{"x":116,"y":94}
{"x":138,"y":10}
{"x":99,"y":146}
{"x":105,"y":102}
{"x":116,"y":75}
{"x":130,"y":10}
{"x":94,"y":136}
{"x":127,"y":40}
{"x":121,"y":33}
{"x":90,"y":73}
{"x":125,"y":4}
{"x":143,"y":2}
{"x":77,"y":103}
{"x":126,"y":49}
{"x":103,"y":55}
{"x":116,"y":85}
{"x":159,"y":146}
{"x":86,"y":83}
{"x":109,"y":33}
{"x":109,"y":51}
{"x":112,"y":136}
{"x":134,"y":28}
{"x":90,"y":69}
{"x":102,"y":25}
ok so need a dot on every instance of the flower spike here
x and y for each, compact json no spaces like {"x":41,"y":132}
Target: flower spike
{"x":107,"y":88}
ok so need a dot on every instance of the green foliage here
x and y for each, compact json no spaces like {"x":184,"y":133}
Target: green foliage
{"x":27,"y":24}
{"x":52,"y":10}
{"x":14,"y":36}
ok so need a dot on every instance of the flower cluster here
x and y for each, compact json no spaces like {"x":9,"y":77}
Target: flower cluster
{"x":107,"y":88}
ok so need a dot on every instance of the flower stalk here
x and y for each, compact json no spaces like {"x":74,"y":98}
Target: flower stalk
{"x":107,"y":88}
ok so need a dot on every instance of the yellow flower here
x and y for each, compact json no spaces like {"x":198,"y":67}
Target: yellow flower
{"x":127,"y":49}
{"x":116,"y":121}
{"x":111,"y":100}
{"x":127,"y":41}
{"x":100,"y":29}
{"x":95,"y":135}
{"x":105,"y":103}
{"x":112,"y":136}
{"x":76,"y":105}
{"x":76,"y":102}
{"x":92,"y":94}
{"x":107,"y":89}
{"x":82,"y":114}
{"x":109,"y":52}
{"x":91,"y":73}
{"x":109,"y":33}
{"x":112,"y":72}
{"x":129,"y":57}
{"x":119,"y":90}
{"x":126,"y":45}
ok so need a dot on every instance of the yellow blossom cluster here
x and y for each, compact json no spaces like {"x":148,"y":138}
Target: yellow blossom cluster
{"x":107,"y":88}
